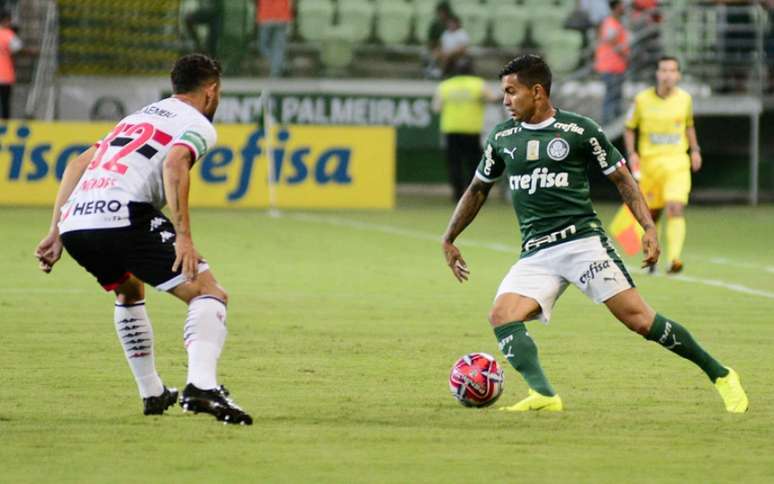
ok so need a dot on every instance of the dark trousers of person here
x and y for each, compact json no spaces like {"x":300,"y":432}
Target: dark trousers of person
{"x":5,"y":101}
{"x":463,"y":153}
{"x":611,"y":105}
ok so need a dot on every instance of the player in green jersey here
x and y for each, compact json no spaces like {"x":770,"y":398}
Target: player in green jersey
{"x":544,"y":153}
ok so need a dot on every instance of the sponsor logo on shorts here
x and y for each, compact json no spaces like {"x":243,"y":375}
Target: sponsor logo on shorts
{"x":550,"y":238}
{"x":594,"y":268}
{"x":166,"y":235}
{"x":95,"y":206}
{"x":155,"y":223}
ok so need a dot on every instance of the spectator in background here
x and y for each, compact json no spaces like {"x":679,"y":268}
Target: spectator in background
{"x":454,"y":44}
{"x":596,"y":11}
{"x":10,"y":44}
{"x":611,"y":59}
{"x":274,"y":18}
{"x":208,"y":13}
{"x":461,"y":100}
{"x":434,"y":32}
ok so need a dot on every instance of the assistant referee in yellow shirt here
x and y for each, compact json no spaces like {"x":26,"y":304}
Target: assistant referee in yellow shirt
{"x":663,"y":116}
{"x":461,"y":100}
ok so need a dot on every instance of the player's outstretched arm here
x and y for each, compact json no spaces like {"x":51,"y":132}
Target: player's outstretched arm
{"x":467,"y":209}
{"x":49,"y":250}
{"x":177,"y":182}
{"x":632,"y":197}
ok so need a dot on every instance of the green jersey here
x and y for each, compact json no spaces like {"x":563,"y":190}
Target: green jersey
{"x":545,"y":166}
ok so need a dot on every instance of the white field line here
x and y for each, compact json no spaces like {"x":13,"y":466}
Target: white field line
{"x":416,"y":234}
{"x":722,"y":261}
{"x":419,"y":235}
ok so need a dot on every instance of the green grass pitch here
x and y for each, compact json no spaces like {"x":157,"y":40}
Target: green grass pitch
{"x":343,"y":327}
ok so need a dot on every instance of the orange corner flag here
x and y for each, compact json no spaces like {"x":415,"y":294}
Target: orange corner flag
{"x":627,"y":231}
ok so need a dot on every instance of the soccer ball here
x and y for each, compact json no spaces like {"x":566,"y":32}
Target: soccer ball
{"x":476,"y":380}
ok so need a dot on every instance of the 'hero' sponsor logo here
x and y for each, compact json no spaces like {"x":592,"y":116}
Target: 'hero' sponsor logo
{"x":95,"y":206}
{"x":539,"y":178}
{"x":507,"y":132}
{"x":569,"y":127}
{"x":596,"y":150}
{"x":594,"y":268}
{"x":550,"y":238}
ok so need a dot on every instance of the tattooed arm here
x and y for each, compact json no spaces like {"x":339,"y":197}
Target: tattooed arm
{"x":632,"y":197}
{"x":177,"y":181}
{"x":467,"y":209}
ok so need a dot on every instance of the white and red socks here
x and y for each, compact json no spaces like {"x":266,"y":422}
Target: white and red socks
{"x":136,"y":337}
{"x":204,"y":335}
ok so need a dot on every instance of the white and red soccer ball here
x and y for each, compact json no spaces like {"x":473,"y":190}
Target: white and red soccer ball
{"x":476,"y":380}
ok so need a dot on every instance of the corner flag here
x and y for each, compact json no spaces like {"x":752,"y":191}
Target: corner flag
{"x":627,"y":231}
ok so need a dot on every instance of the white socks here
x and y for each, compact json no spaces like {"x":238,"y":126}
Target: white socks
{"x":203,"y":336}
{"x":136,"y":336}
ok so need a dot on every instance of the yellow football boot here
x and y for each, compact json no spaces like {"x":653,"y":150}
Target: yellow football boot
{"x":536,"y":401}
{"x":730,"y":389}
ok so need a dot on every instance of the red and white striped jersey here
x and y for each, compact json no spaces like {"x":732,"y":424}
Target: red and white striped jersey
{"x":128,"y":164}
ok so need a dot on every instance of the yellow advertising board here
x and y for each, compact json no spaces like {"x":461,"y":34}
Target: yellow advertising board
{"x":312,"y":166}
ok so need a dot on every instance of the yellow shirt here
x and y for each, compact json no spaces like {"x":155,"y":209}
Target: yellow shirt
{"x":462,"y":108}
{"x":661,"y":123}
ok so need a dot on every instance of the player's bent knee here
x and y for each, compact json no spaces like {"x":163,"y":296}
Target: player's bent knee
{"x":639,"y":322}
{"x":131,"y":291}
{"x":500,"y":315}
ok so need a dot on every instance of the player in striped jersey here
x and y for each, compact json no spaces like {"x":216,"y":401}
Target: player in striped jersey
{"x":107,"y":215}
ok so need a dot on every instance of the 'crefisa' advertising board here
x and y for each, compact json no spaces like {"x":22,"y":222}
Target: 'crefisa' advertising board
{"x":313,"y":166}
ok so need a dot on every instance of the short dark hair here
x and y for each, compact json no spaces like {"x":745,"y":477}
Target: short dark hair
{"x":664,"y":58}
{"x":192,"y":71}
{"x":5,"y":15}
{"x":613,"y":3}
{"x":463,"y":66}
{"x":531,"y":69}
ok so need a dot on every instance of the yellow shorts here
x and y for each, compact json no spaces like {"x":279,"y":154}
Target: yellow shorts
{"x":665,"y":180}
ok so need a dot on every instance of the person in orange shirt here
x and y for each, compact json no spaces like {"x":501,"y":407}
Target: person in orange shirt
{"x":274,"y":17}
{"x":611,"y":59}
{"x":9,"y":45}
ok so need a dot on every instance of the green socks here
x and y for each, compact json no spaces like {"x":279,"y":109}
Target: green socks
{"x":678,"y":340}
{"x":517,"y":345}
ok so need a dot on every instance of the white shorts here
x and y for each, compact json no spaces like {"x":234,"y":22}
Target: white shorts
{"x":591,"y":263}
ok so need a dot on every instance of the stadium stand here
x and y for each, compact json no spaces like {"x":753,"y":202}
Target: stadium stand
{"x":314,"y":18}
{"x":509,"y":25}
{"x":394,"y":22}
{"x":358,"y":16}
{"x":94,"y":33}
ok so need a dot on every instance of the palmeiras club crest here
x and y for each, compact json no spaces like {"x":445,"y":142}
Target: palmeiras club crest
{"x":558,"y":149}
